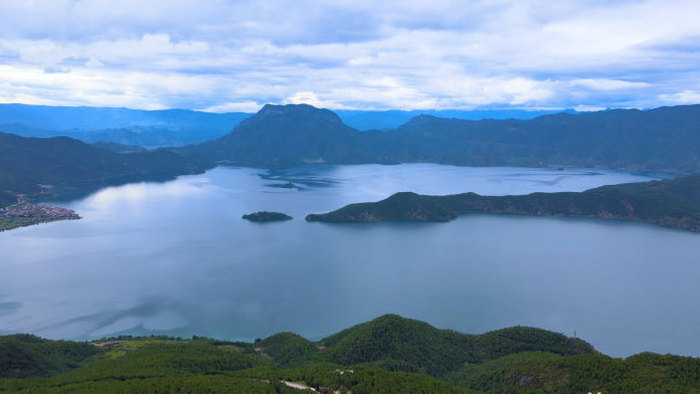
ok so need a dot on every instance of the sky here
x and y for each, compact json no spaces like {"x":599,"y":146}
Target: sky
{"x":222,"y":56}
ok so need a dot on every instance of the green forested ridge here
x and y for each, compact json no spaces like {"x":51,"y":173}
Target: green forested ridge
{"x":387,"y":355}
{"x":671,"y":203}
{"x":662,"y":139}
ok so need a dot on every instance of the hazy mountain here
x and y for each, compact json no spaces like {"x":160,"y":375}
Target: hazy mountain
{"x":287,"y":135}
{"x":178,"y":127}
{"x":125,"y":126}
{"x":391,"y":119}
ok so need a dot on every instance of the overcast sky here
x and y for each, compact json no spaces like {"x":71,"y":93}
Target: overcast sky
{"x":238,"y":55}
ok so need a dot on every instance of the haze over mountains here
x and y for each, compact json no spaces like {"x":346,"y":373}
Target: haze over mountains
{"x":179,"y":127}
{"x":151,"y":129}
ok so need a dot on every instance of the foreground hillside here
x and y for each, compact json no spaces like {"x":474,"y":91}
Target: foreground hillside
{"x":671,"y":203}
{"x":663,"y":139}
{"x":390,"y":354}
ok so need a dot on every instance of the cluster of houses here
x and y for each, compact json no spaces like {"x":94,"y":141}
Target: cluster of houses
{"x":38,"y":213}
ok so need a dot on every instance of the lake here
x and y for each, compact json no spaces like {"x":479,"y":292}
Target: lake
{"x":176,"y":258}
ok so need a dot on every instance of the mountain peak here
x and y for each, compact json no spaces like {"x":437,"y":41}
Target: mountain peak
{"x":297,"y":110}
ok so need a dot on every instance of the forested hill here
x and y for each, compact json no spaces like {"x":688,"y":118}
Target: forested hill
{"x":663,"y":139}
{"x":671,"y":203}
{"x":43,"y":165}
{"x":389,"y":354}
{"x":282,"y":136}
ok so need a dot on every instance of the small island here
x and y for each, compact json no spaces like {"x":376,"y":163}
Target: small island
{"x":265,"y":216}
{"x":26,"y":214}
{"x":673,"y":203}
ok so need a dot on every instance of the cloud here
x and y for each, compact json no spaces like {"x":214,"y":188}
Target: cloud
{"x":242,"y":106}
{"x":362,"y":54}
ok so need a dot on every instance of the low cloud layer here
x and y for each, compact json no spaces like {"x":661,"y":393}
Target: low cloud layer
{"x":237,"y":55}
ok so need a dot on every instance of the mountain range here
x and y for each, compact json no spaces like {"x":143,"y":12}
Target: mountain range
{"x":663,"y":139}
{"x":150,"y":129}
{"x":179,"y":127}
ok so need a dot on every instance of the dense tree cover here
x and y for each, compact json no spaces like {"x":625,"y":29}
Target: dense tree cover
{"x":671,"y":203}
{"x":387,"y":355}
{"x":664,"y":139}
{"x":288,"y":349}
{"x":411,"y":345}
{"x":25,"y":355}
{"x":539,"y":371}
{"x":357,"y":379}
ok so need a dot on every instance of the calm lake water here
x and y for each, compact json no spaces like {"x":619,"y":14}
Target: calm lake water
{"x":176,"y":258}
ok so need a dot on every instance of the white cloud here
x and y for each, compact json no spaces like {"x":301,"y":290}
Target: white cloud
{"x":684,"y":97}
{"x":242,"y":106}
{"x":362,"y":54}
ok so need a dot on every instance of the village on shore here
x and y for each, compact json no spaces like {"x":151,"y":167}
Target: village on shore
{"x":26,"y":214}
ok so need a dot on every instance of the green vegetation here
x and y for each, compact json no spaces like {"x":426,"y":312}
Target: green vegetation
{"x":671,"y":203}
{"x":265,"y":216}
{"x":387,"y":355}
{"x":24,"y":355}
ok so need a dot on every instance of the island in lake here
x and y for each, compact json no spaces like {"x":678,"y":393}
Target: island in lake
{"x":673,"y":203}
{"x":265,"y":216}
{"x":25,"y":214}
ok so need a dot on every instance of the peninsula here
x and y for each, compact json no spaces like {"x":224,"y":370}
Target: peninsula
{"x":673,"y":203}
{"x":25,"y":214}
{"x":265,"y":216}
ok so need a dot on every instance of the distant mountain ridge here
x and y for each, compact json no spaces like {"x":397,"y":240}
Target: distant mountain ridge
{"x":391,"y":119}
{"x":158,"y":128}
{"x":180,"y":127}
{"x":663,"y":139}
